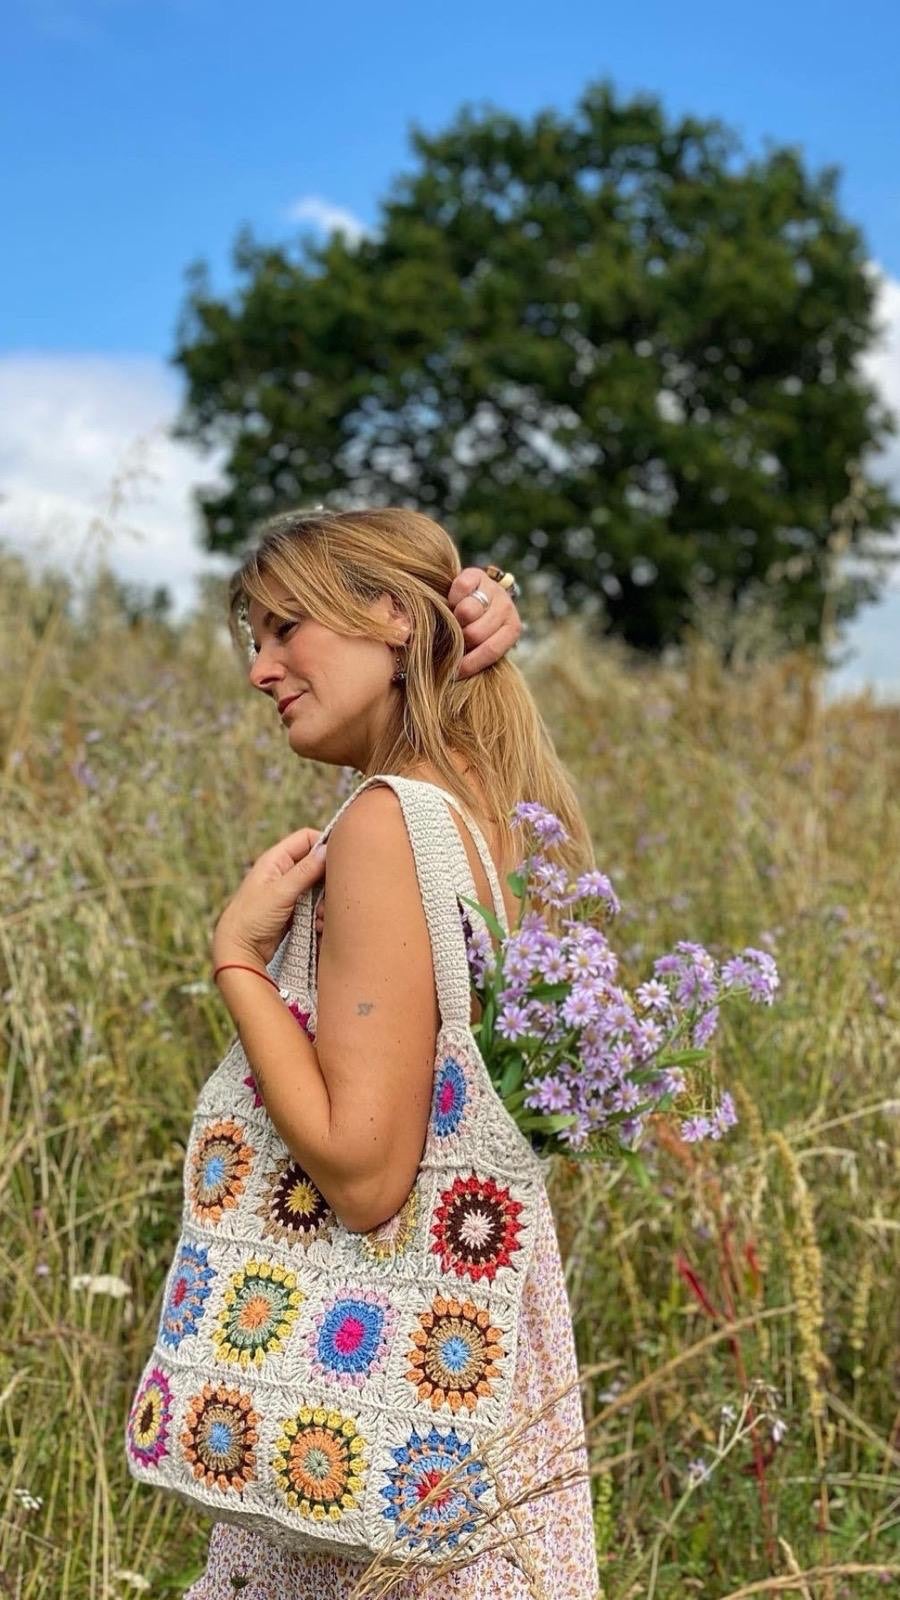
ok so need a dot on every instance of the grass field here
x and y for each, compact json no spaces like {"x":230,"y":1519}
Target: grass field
{"x":141,"y":778}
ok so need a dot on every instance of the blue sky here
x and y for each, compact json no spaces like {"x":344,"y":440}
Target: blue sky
{"x":140,"y":136}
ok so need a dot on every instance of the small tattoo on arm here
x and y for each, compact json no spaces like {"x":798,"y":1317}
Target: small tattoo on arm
{"x":364,"y":1007}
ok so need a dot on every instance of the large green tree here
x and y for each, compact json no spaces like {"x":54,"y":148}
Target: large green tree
{"x":605,"y":346}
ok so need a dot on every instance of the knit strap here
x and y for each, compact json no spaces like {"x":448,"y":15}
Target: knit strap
{"x":443,"y":872}
{"x":487,"y":860}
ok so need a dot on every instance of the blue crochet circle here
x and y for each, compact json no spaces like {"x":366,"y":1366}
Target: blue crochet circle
{"x":420,"y":1464}
{"x":213,"y":1171}
{"x":187,"y":1294}
{"x":455,"y":1353}
{"x":451,"y":1093}
{"x":350,"y":1335}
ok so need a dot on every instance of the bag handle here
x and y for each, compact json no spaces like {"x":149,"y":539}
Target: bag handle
{"x":462,"y":860}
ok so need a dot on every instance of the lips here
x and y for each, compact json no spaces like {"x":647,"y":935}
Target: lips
{"x":288,"y":701}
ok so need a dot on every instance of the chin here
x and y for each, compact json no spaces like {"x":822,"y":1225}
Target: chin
{"x":312,"y":749}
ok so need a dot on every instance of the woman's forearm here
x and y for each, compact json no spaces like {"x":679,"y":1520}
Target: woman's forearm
{"x":289,"y":1077}
{"x":284,"y":1061}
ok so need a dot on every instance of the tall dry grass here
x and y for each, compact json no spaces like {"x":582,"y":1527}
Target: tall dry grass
{"x":731,"y":806}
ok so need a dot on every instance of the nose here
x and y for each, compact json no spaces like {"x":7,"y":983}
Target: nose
{"x":265,"y":672}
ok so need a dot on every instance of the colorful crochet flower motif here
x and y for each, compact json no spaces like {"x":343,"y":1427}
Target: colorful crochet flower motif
{"x":421,"y":1464}
{"x":187,"y":1294}
{"x":450,"y":1098}
{"x":319,"y":1462}
{"x":149,"y":1418}
{"x":219,"y":1438}
{"x":476,"y":1228}
{"x":394,"y":1237}
{"x":303,"y":1019}
{"x":455,"y":1354}
{"x":220,"y":1164}
{"x":351,"y":1337}
{"x":292,"y":1209}
{"x":259,"y":1308}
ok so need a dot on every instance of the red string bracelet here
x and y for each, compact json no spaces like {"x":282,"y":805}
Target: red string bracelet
{"x":244,"y":968}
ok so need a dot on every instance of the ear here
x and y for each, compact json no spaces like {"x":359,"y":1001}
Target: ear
{"x":401,"y":618}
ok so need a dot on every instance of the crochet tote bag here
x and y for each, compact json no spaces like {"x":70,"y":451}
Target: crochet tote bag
{"x":313,"y":1383}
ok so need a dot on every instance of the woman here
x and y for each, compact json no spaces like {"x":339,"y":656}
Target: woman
{"x":355,"y":641}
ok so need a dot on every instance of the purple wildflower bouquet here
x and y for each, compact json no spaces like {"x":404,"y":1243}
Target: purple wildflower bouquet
{"x":578,"y":1060}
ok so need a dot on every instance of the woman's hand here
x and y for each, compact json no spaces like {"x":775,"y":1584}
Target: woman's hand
{"x":489,"y":631}
{"x":257,"y":917}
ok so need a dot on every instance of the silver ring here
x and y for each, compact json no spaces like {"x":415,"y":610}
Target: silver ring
{"x":479,"y":594}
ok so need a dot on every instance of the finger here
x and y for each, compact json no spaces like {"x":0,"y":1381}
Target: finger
{"x":498,"y":618}
{"x":486,"y":654}
{"x":313,"y":863}
{"x":463,"y":584}
{"x":293,"y":848}
{"x":501,"y":613}
{"x":301,"y":839}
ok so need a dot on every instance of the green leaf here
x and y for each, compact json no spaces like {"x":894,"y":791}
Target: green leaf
{"x":487,"y":913}
{"x":513,"y":1073}
{"x":548,"y":991}
{"x":531,"y":1123}
{"x":680,"y":1058}
{"x":515,"y":1101}
{"x":549,"y":1121}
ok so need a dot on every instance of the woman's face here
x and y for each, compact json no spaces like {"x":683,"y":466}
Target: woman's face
{"x":344,"y":684}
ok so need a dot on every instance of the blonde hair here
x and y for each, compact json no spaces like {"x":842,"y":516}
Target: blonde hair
{"x":334,"y":564}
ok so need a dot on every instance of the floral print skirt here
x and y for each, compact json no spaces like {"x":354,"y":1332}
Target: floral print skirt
{"x":555,"y":1557}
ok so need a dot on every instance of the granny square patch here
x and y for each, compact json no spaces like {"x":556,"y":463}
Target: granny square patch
{"x":219,"y":1436}
{"x":189,"y":1289}
{"x":292,"y":1208}
{"x":456,"y":1356}
{"x":475,"y":1228}
{"x":260,"y":1306}
{"x":419,"y":1467}
{"x":319,"y":1463}
{"x":220,"y":1161}
{"x":149,"y":1419}
{"x":351,"y":1337}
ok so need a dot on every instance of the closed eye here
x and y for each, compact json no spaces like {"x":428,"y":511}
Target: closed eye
{"x":280,"y":632}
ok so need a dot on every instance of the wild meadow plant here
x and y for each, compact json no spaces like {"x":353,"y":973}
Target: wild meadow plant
{"x":736,"y":1320}
{"x":579,"y":1060}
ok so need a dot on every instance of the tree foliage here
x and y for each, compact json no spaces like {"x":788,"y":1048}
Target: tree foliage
{"x":606,"y":347}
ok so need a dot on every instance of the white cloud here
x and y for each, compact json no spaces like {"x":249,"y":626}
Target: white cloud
{"x":327,"y":217}
{"x":882,"y":367}
{"x":87,"y":470}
